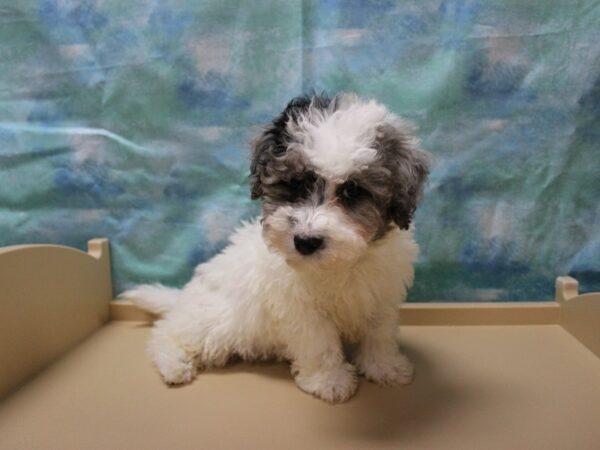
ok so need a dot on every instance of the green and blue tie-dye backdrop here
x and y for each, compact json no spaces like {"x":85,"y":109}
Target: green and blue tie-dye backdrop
{"x":130,"y":119}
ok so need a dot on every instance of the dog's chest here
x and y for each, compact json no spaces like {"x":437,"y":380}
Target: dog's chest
{"x":373,"y":289}
{"x":350,"y":313}
{"x":354,"y":302}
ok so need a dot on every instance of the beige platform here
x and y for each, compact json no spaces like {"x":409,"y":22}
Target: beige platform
{"x":502,"y":386}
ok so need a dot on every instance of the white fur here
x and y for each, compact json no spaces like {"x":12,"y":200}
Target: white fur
{"x":262,"y":297}
{"x":341,"y":142}
{"x":249,"y":301}
{"x":345,"y":243}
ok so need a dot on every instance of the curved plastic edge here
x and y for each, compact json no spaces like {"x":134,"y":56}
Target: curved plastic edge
{"x":579,"y":314}
{"x":566,"y":288}
{"x":52,"y":296}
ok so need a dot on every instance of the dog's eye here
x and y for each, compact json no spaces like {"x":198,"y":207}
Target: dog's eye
{"x":351,"y":190}
{"x":296,"y":184}
{"x":291,"y":190}
{"x":278,"y":150}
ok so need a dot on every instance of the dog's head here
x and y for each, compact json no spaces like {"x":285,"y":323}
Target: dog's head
{"x":335,"y":175}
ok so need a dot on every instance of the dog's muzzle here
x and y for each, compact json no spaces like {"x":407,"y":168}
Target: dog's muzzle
{"x":307,"y":245}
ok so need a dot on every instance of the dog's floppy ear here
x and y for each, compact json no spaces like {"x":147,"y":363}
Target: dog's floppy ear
{"x":409,"y":165}
{"x":261,"y":147}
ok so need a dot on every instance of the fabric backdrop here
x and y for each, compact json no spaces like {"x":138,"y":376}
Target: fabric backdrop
{"x":130,"y":120}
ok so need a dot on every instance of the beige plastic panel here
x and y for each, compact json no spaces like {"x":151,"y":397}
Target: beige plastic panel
{"x":579,"y":314}
{"x":51,"y":297}
{"x":509,"y":313}
{"x":515,"y":313}
{"x":529,"y":387}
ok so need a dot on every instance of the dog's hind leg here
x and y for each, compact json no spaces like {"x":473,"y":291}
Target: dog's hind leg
{"x":174,"y":362}
{"x":195,"y":335}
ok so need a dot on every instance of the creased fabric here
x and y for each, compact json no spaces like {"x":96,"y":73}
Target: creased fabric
{"x":131,"y":120}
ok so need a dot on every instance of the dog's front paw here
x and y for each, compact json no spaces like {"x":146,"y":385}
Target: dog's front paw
{"x":389,"y":371}
{"x":332,"y":385}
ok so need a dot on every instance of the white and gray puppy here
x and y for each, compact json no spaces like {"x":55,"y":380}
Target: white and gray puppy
{"x":328,"y":262}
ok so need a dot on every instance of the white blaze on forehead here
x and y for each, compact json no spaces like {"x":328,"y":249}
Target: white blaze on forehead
{"x":338,"y":143}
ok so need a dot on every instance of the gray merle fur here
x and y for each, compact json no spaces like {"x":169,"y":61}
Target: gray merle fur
{"x":389,"y":190}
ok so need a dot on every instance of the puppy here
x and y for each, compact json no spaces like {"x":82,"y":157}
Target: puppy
{"x":328,"y":262}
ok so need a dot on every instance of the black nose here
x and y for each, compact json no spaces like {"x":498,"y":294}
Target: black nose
{"x":307,"y":245}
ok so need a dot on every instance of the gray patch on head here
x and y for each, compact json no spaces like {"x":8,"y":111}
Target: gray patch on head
{"x":391,"y":186}
{"x":409,"y":167}
{"x":280,"y":173}
{"x":369,"y":209}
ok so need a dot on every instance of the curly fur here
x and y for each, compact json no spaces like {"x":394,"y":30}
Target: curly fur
{"x":328,"y":262}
